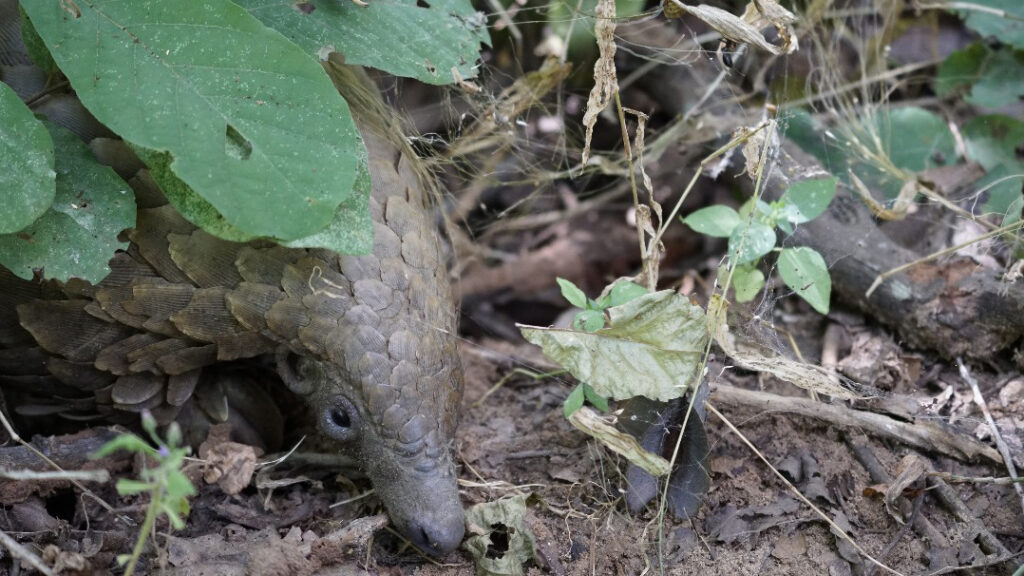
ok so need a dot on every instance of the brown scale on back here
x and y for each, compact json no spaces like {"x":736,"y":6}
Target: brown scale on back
{"x":369,"y":340}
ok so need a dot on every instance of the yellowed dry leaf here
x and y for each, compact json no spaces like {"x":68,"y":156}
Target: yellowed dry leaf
{"x":589,"y":422}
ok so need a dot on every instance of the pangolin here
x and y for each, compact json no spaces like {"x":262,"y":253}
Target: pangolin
{"x":368,"y":341}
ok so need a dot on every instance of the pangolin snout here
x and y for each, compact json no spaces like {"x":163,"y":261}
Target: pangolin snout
{"x":424,"y":505}
{"x":438,"y":532}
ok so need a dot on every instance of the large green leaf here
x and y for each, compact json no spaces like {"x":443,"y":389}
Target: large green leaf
{"x":413,"y":38}
{"x":1007,"y":29}
{"x":914,"y":139}
{"x":249,"y":121}
{"x":994,"y":139}
{"x":27,"y":177}
{"x":77,"y":236}
{"x":651,"y":348}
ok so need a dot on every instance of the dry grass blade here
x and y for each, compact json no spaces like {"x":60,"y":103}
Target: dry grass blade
{"x":24,"y":554}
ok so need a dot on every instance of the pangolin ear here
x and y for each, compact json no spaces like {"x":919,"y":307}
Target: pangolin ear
{"x":295,"y":373}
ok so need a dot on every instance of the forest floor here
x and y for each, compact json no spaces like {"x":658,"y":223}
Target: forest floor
{"x":515,"y":441}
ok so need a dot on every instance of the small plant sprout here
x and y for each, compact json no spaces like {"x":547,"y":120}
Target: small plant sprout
{"x":751,"y":234}
{"x":591,"y":318}
{"x":166,"y":484}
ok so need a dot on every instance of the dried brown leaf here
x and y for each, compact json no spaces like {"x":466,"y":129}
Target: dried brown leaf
{"x":606,"y":82}
{"x":758,"y":15}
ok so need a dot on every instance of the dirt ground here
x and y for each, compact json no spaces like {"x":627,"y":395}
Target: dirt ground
{"x":515,"y":441}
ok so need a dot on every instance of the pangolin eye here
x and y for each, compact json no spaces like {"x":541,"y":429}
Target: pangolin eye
{"x":340,"y":420}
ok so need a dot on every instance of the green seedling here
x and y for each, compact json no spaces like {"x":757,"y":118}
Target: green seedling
{"x":591,"y":318}
{"x":166,"y":484}
{"x":751,"y":234}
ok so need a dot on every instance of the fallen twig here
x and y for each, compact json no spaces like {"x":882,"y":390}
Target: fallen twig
{"x":1000,"y":443}
{"x":923,"y":435}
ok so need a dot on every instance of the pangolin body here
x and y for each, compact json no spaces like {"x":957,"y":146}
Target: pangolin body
{"x":367,"y":340}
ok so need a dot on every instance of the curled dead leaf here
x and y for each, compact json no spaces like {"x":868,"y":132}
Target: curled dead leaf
{"x":747,"y":29}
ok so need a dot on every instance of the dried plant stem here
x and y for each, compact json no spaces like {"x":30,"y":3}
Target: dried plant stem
{"x":24,"y":554}
{"x":888,"y":274}
{"x":1004,"y":450}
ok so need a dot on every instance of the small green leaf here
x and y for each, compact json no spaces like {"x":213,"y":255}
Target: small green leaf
{"x":747,"y":281}
{"x":27,"y":180}
{"x":35,"y":47}
{"x":178,"y":485}
{"x":623,"y":292}
{"x":598,"y":401}
{"x":126,"y":486}
{"x":174,"y":437}
{"x":589,"y":321}
{"x":759,"y":208}
{"x":128,"y":442}
{"x":572,"y":293}
{"x":172,"y":514}
{"x":718,"y":221}
{"x":747,"y":244}
{"x":574,"y":401}
{"x":805,"y":272}
{"x":810,"y":198}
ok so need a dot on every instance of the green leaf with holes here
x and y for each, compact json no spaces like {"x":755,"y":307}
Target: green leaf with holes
{"x":747,"y":281}
{"x":77,"y":235}
{"x":748,"y":243}
{"x":422,"y":39}
{"x":804,"y":271}
{"x":27,"y":179}
{"x":245,"y":118}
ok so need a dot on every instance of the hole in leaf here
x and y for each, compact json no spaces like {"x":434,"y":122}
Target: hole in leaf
{"x":422,"y":4}
{"x":236,"y":145}
{"x":304,"y":7}
{"x":499,"y":541}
